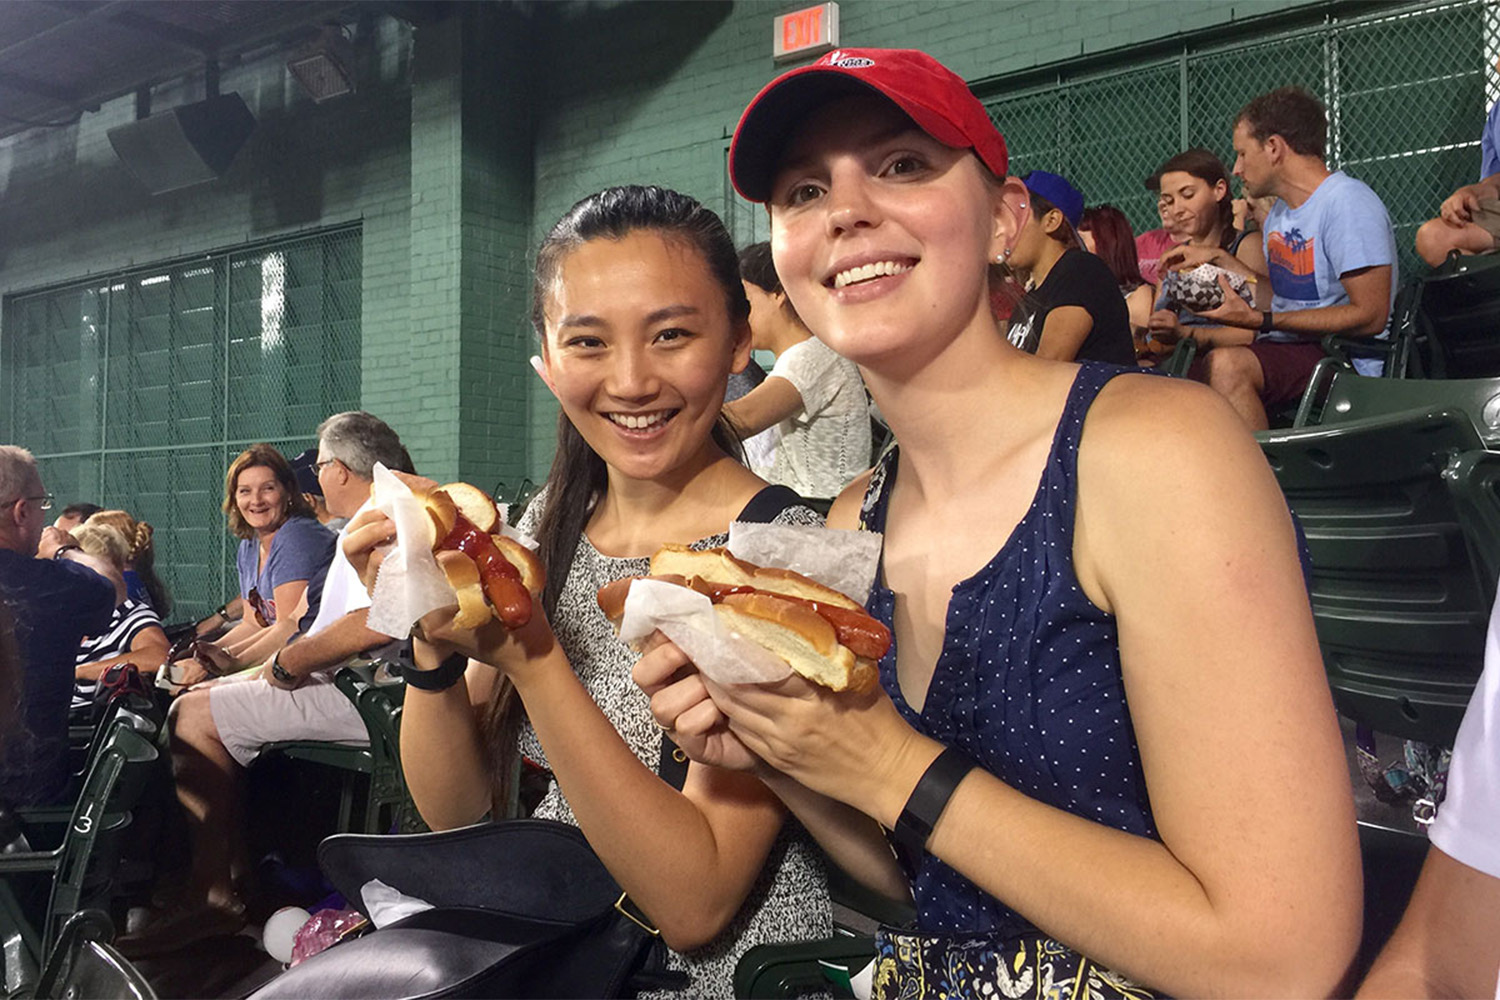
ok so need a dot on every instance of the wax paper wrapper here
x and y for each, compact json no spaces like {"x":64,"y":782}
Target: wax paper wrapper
{"x":844,"y":560}
{"x":387,"y":905}
{"x":410,"y":582}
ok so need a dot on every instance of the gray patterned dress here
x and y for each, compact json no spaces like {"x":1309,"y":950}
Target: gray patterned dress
{"x":789,"y":901}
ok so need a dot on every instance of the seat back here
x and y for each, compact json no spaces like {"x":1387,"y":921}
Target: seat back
{"x":1458,"y":318}
{"x":380,"y":705}
{"x":98,"y":970}
{"x":82,"y":865}
{"x":533,"y":866}
{"x":1403,"y":527}
{"x":114,"y":786}
{"x":1354,"y":397}
{"x":84,"y":964}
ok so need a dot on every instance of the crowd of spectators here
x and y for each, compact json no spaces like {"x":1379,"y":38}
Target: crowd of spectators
{"x":85,"y":596}
{"x":1308,"y":252}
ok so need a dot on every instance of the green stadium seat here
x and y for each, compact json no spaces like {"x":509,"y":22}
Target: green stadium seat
{"x":81,"y":866}
{"x":1457,"y":318}
{"x":386,"y":802}
{"x":85,"y":964}
{"x":1402,"y":519}
{"x":1350,"y":396}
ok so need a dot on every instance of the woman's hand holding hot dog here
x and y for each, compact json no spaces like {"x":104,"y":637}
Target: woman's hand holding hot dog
{"x":366,"y":544}
{"x":822,"y":739}
{"x":680,"y":704}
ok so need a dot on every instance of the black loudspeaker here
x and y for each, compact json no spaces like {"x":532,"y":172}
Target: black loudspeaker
{"x":186,"y":145}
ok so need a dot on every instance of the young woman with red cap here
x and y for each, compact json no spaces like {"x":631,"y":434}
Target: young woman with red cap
{"x":1087,"y":720}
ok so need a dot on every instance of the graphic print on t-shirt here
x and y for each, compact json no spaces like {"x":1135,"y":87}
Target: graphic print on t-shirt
{"x":1024,"y":331}
{"x":1293,"y":265}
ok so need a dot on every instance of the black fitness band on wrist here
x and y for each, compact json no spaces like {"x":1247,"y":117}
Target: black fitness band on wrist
{"x":926,"y":805}
{"x":443,"y":677}
{"x":1266,"y":319}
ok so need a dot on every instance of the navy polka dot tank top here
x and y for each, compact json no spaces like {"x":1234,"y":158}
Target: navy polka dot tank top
{"x":1028,"y":681}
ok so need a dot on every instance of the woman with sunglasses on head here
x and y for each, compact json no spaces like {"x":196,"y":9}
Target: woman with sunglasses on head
{"x":1079,"y":712}
{"x":134,"y":634}
{"x":638,"y":304}
{"x":1193,"y":197}
{"x":283,"y":555}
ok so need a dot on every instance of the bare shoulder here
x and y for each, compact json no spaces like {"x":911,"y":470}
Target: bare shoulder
{"x":1167,"y":462}
{"x":1141,"y":423}
{"x":845,"y":510}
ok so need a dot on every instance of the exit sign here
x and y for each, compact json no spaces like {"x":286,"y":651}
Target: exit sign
{"x":806,"y":32}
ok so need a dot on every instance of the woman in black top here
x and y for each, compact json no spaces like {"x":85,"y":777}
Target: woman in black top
{"x":1073,"y":310}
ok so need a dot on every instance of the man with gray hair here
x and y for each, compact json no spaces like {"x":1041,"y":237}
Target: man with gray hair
{"x":56,"y":595}
{"x":219,"y":729}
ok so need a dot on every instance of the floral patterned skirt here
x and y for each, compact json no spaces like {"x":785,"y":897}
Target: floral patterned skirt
{"x":924,"y":967}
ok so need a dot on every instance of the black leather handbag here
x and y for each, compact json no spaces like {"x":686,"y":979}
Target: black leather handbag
{"x":523,"y":908}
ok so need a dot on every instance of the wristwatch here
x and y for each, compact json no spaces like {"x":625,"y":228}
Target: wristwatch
{"x":279,"y":672}
{"x":64,"y":549}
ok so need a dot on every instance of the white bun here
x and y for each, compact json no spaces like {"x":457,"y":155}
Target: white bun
{"x":800,"y":636}
{"x":718,"y":566}
{"x":475,"y":505}
{"x":463,"y":577}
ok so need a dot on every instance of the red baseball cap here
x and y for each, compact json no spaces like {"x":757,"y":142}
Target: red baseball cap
{"x":932,"y":95}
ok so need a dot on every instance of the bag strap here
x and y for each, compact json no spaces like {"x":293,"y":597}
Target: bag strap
{"x":763,"y":508}
{"x":672,"y":764}
{"x":766,"y":505}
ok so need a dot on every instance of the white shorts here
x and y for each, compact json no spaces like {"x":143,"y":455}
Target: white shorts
{"x":251,"y":714}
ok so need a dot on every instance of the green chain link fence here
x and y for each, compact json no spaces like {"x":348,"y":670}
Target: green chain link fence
{"x":1406,"y":88}
{"x":136,"y":389}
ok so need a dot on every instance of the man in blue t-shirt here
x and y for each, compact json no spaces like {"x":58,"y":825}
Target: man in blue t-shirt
{"x":55,"y":595}
{"x":1330,"y":250}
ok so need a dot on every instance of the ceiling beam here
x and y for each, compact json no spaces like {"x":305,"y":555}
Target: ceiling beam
{"x":181,"y":56}
{"x":74,"y":14}
{"x":181,"y":38}
{"x":36,"y":88}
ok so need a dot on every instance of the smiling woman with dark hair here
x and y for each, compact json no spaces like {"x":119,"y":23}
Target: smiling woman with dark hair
{"x":283,"y":555}
{"x":641,"y":315}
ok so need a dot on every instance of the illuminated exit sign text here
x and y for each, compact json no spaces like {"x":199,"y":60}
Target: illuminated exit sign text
{"x":807,"y":32}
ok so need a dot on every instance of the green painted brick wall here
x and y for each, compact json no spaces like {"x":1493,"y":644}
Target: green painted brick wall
{"x":494,"y":374}
{"x":452,"y":373}
{"x":466,"y":140}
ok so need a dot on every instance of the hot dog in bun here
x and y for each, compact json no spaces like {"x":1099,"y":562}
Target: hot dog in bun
{"x":822,"y":634}
{"x":493,"y":575}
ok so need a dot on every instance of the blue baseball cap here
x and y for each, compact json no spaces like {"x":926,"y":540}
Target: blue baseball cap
{"x":1056,"y":189}
{"x":304,"y":467}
